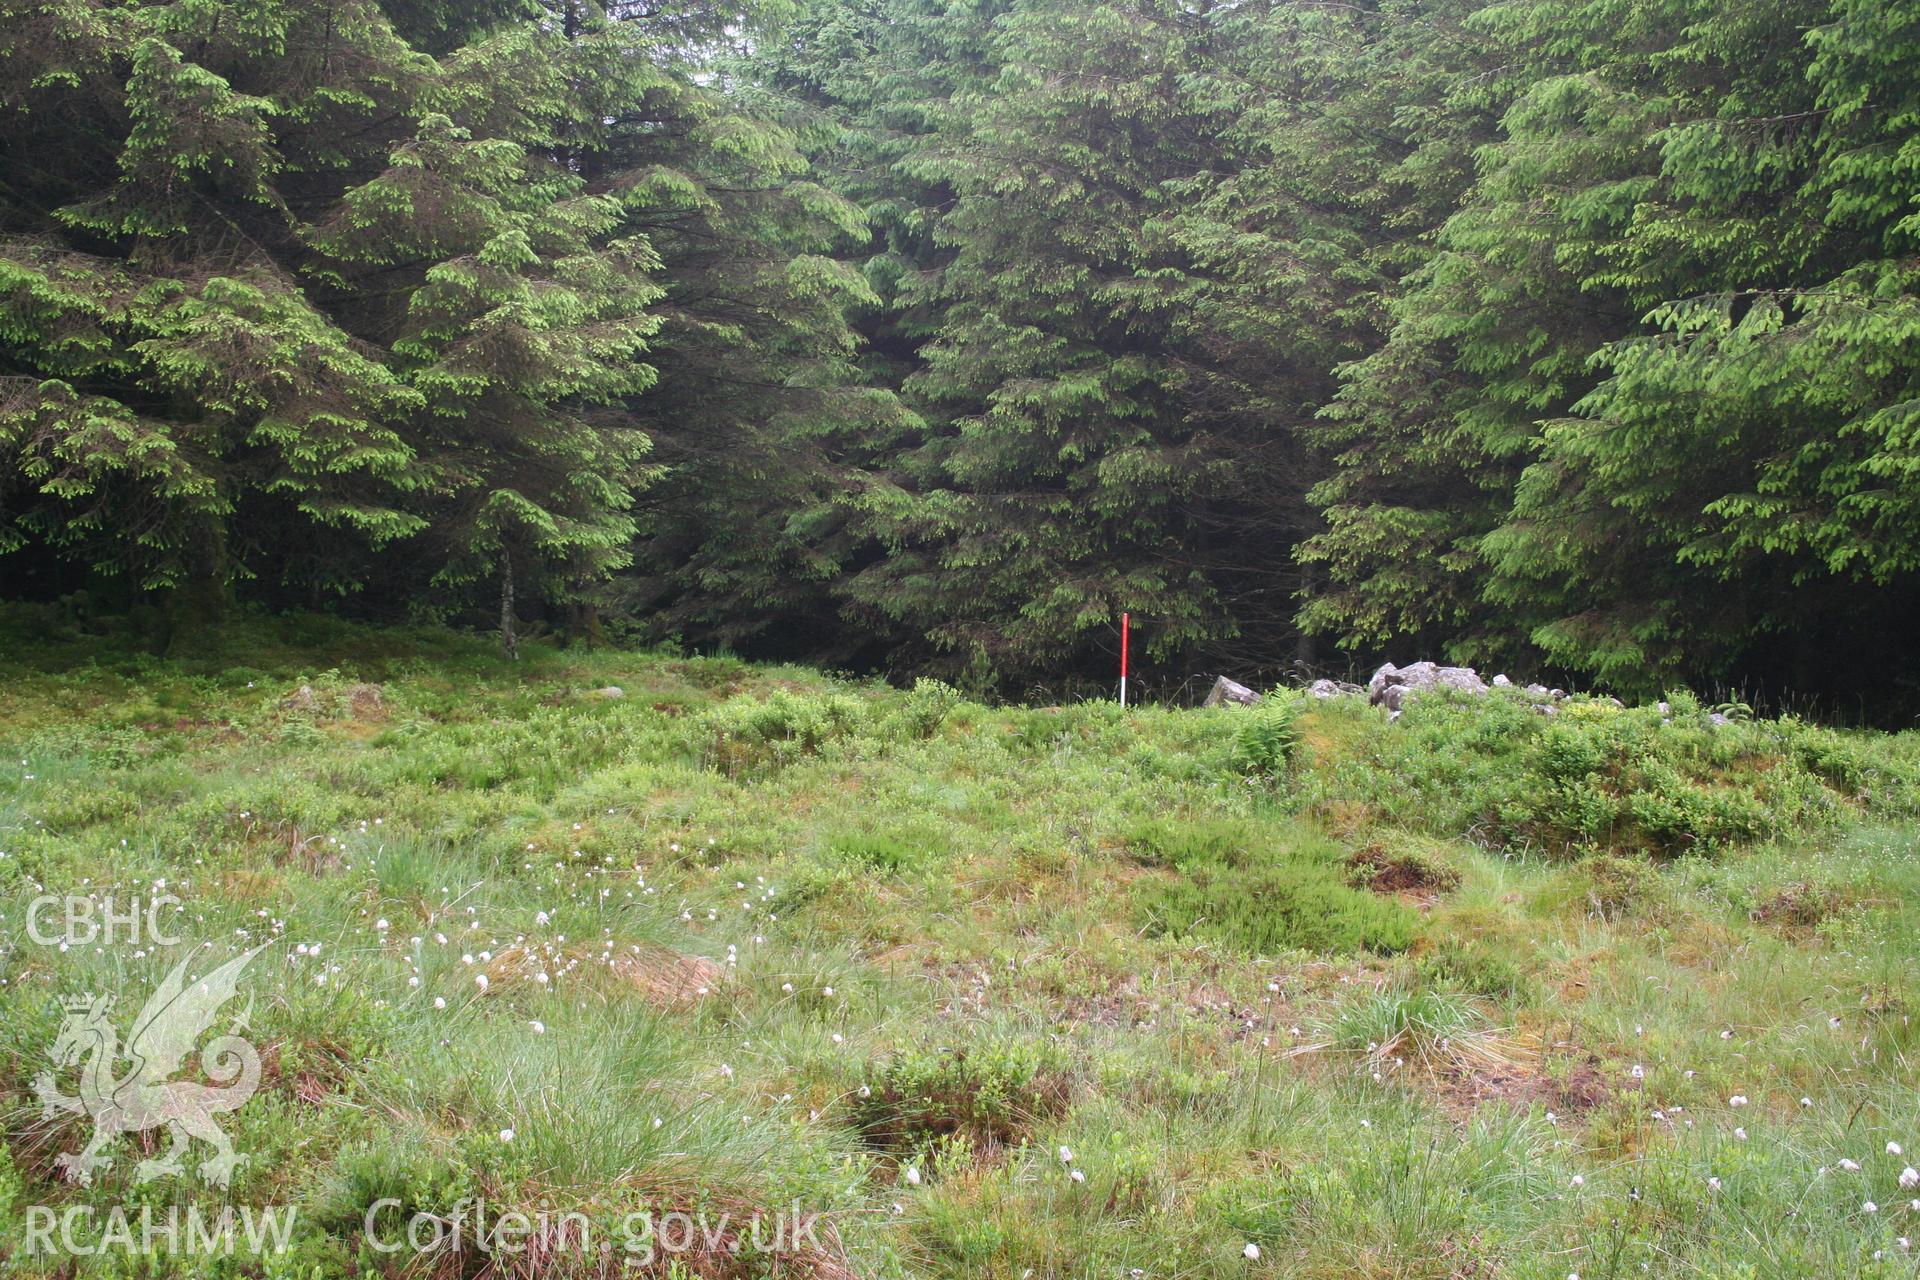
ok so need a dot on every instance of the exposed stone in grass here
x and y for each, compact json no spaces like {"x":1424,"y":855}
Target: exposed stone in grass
{"x":1324,"y":689}
{"x":1225,"y":692}
{"x":358,"y":701}
{"x":366,"y":702}
{"x":1391,"y":686}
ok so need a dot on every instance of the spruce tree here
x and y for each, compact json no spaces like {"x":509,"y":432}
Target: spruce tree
{"x":1120,"y":261}
{"x":288,"y":284}
{"x":1634,"y":419}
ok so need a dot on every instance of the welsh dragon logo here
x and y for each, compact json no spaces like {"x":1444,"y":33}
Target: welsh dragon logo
{"x":140,"y":1096}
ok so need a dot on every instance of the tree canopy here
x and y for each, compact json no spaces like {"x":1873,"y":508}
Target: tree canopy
{"x":1572,"y":338}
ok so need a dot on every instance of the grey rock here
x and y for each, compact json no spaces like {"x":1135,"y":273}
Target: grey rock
{"x":1225,"y":691}
{"x":610,"y":692}
{"x":1333,"y":689}
{"x":1391,"y":686}
{"x":1377,"y":685}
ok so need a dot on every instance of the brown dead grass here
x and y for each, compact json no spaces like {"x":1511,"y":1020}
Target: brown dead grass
{"x":288,"y":846}
{"x":669,"y":979}
{"x":1524,"y":1085}
{"x":1799,"y":908}
{"x":663,"y":978}
{"x":1391,"y":871}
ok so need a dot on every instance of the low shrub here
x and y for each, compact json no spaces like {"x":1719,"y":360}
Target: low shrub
{"x":886,"y":850}
{"x":926,"y":708}
{"x":1475,"y":967}
{"x":756,"y":734}
{"x":987,"y":1096}
{"x":1658,"y":781}
{"x":1262,"y":889}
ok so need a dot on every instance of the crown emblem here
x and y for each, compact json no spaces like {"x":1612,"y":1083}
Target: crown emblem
{"x":165,"y":1042}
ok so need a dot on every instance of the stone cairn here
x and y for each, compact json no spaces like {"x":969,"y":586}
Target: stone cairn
{"x":1393,"y":687}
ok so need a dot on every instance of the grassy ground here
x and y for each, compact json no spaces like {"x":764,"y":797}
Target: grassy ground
{"x":1478,"y":993}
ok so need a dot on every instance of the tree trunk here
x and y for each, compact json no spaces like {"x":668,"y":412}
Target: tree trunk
{"x":509,"y":636}
{"x":203,"y":600}
{"x":583,"y":623}
{"x":1303,"y":646}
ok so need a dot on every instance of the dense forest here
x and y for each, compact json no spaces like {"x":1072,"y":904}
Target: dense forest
{"x":1560,"y":336}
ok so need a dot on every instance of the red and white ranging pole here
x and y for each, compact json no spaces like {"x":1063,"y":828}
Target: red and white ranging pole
{"x":1126,"y":620}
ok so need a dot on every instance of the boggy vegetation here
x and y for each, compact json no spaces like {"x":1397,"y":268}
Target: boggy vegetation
{"x":994,"y":990}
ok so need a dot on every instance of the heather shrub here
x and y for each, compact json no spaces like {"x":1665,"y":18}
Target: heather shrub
{"x":1261,"y":889}
{"x":986,"y":1095}
{"x":1596,"y":774}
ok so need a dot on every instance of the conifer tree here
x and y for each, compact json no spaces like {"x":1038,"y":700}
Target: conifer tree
{"x":289,"y":283}
{"x":1119,"y":269}
{"x":166,"y":367}
{"x":1635,"y":418}
{"x":937,"y":332}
